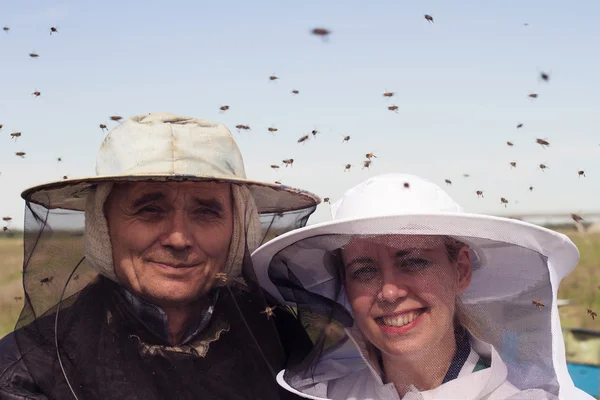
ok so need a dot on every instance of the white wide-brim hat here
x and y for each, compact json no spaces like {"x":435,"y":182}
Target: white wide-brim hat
{"x":408,"y":205}
{"x":162,"y":146}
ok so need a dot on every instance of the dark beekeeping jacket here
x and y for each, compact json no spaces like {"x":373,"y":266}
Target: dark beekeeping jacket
{"x":106,"y":352}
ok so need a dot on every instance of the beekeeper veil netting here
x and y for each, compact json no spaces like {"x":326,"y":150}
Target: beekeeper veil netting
{"x":385,"y":288}
{"x":77,"y":341}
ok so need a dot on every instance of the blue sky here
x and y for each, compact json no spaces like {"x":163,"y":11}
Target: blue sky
{"x":461,"y":85}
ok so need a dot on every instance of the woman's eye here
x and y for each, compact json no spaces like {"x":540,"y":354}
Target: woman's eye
{"x":364,"y":274}
{"x":414,"y":263}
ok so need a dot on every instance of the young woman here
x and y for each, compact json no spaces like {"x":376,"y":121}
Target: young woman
{"x":405,"y":296}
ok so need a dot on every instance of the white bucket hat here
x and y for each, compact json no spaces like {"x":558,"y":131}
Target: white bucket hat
{"x":515,"y":263}
{"x":162,"y":147}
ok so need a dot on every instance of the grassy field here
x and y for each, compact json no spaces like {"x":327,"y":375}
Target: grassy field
{"x":581,"y":287}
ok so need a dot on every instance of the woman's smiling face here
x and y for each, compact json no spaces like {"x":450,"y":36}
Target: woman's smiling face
{"x":402,"y":289}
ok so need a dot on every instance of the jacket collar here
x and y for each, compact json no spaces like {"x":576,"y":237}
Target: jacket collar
{"x":155,"y":320}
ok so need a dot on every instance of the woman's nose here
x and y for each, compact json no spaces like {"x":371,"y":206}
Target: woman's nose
{"x":391,"y":292}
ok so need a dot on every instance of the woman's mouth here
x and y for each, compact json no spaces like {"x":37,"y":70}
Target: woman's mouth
{"x":405,"y":320}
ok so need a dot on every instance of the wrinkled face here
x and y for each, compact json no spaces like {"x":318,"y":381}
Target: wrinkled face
{"x":402,"y":290}
{"x":169,"y":239}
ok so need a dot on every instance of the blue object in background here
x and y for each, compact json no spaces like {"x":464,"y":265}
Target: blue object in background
{"x":586,"y":377}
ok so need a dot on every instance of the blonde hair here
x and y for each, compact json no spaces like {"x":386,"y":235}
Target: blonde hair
{"x":462,"y":316}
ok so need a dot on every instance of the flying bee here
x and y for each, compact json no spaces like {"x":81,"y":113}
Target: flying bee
{"x":20,"y":154}
{"x":34,"y":55}
{"x":531,"y":188}
{"x":314,"y":132}
{"x":576,"y":218}
{"x":466,"y":175}
{"x":271,"y":129}
{"x":17,"y":298}
{"x":103,"y":127}
{"x":510,"y":144}
{"x":273,"y":78}
{"x":46,"y":280}
{"x":65,"y":177}
{"x":429,"y":18}
{"x":277,"y":182}
{"x":1,"y":126}
{"x":538,"y":304}
{"x":59,"y":159}
{"x":346,"y":138}
{"x":545,"y":76}
{"x":224,"y":108}
{"x":370,"y":155}
{"x":116,"y":118}
{"x":326,"y":200}
{"x":274,"y":166}
{"x":15,"y":135}
{"x":519,"y":126}
{"x":295,"y":91}
{"x":543,"y":167}
{"x":542,"y":142}
{"x":503,"y":201}
{"x":243,"y":127}
{"x":393,"y":108}
{"x":289,"y":161}
{"x":6,"y":29}
{"x":592,"y":313}
{"x":347,"y":167}
{"x":36,"y":93}
{"x":406,"y":185}
{"x":269,"y":311}
{"x":53,"y":30}
{"x":366,"y":164}
{"x":6,"y":219}
{"x":303,"y":139}
{"x":513,"y":164}
{"x":5,"y":229}
{"x":479,"y":193}
{"x":388,"y":94}
{"x":448,"y":181}
{"x":532,"y":95}
{"x":581,"y":173}
{"x":322,"y":32}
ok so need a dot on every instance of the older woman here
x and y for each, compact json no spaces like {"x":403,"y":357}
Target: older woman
{"x":155,"y":296}
{"x":405,"y":296}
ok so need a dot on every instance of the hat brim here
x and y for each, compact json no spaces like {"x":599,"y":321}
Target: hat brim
{"x":467,"y":227}
{"x":71,"y":194}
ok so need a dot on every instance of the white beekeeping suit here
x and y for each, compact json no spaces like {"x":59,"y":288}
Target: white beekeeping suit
{"x":512,"y":346}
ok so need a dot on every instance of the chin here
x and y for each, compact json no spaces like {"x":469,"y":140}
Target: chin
{"x":172,"y":292}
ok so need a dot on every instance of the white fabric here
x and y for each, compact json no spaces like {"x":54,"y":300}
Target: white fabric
{"x":167,"y":144}
{"x":159,"y":146}
{"x":98,"y":248}
{"x":516,"y":262}
{"x":333,"y":380}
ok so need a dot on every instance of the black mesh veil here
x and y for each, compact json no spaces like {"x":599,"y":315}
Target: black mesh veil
{"x":502,"y":325}
{"x":76,"y":339}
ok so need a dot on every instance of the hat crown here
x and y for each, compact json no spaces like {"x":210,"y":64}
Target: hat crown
{"x":166,"y":144}
{"x":393,"y":194}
